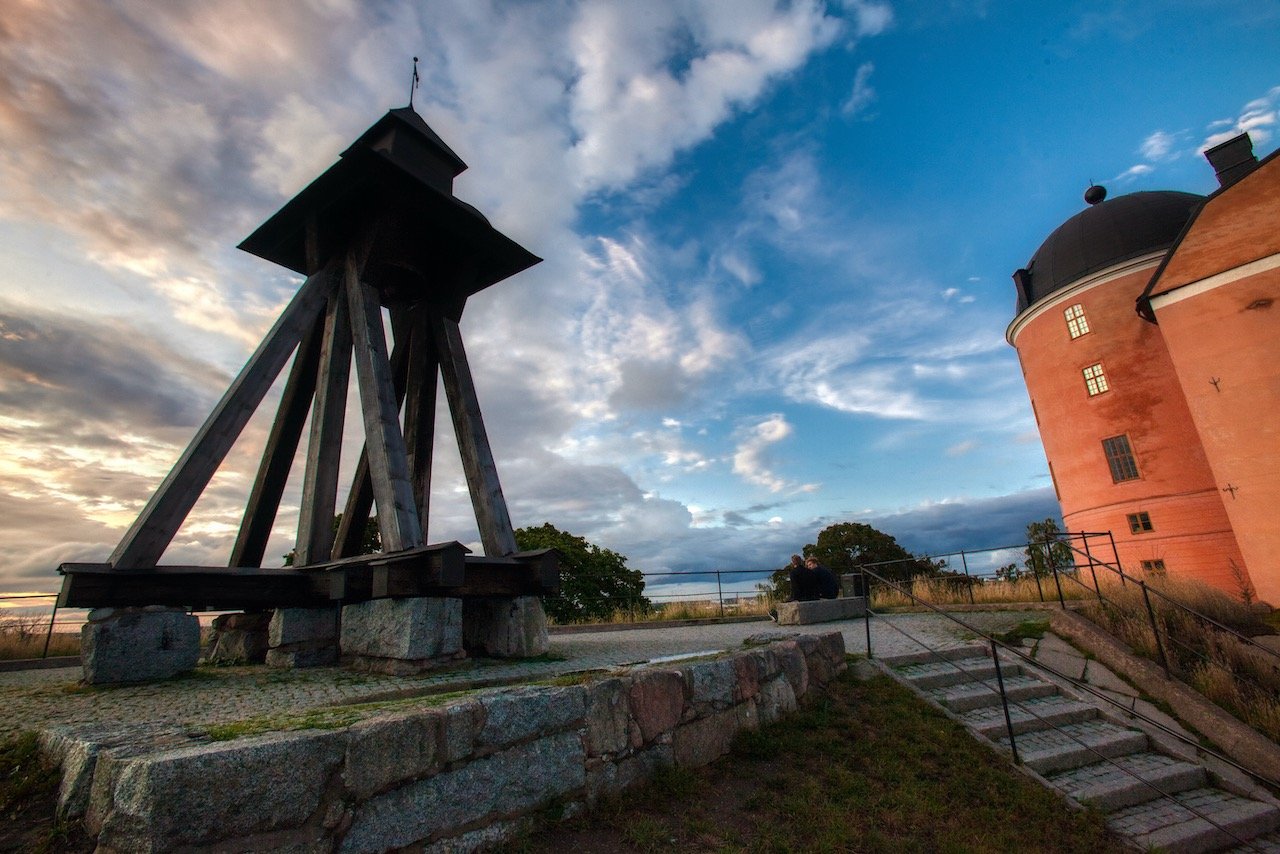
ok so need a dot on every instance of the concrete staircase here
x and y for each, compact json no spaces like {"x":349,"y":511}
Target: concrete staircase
{"x":1157,"y":795}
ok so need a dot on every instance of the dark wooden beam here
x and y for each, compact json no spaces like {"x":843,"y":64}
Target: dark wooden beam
{"x":388,"y":460}
{"x":496,"y":533}
{"x":440,"y":569}
{"x":277,"y":457}
{"x":420,"y":409}
{"x":350,"y":537}
{"x":324,"y":448}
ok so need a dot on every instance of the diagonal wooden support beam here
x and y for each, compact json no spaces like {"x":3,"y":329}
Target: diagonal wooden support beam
{"x":153,"y":530}
{"x":388,"y":459}
{"x":350,"y":537}
{"x":490,"y":507}
{"x":277,"y":457}
{"x":420,"y":408}
{"x":324,"y":448}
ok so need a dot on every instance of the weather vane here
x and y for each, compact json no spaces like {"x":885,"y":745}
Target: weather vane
{"x":413,"y":84}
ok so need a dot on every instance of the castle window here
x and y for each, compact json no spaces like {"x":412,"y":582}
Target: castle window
{"x":1153,"y":567}
{"x":1120,"y":458}
{"x":1095,"y":380}
{"x":1140,"y":523}
{"x":1077,"y":323}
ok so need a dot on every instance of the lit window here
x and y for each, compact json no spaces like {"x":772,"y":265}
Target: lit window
{"x":1140,"y":523}
{"x":1095,"y":380}
{"x":1153,"y":567}
{"x":1077,"y":323}
{"x":1120,"y":458}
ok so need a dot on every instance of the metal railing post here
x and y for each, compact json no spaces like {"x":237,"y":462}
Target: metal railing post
{"x":1035,"y":570}
{"x":866,"y":612}
{"x":1004,"y":701}
{"x":968,"y":579}
{"x":720,"y":593}
{"x":1084,"y":538}
{"x":1053,"y":567}
{"x":53,"y":618}
{"x":1155,"y":630}
{"x":1115,"y":556}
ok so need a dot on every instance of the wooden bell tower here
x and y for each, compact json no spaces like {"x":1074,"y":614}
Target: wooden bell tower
{"x":380,"y":229}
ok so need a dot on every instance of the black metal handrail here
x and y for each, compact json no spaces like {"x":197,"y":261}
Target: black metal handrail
{"x":999,"y":688}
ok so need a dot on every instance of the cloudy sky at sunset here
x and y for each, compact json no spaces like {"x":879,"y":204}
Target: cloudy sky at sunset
{"x":778,"y":241}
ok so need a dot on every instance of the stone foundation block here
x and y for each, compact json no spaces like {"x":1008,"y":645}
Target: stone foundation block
{"x":386,"y":751}
{"x":704,"y":740}
{"x":520,"y":714}
{"x":239,"y":639}
{"x":821,"y":611}
{"x":657,"y":701}
{"x":303,"y":637}
{"x":138,"y":644}
{"x":508,"y":628}
{"x":414,"y":632}
{"x":608,"y":717}
{"x":513,"y":781}
{"x":198,"y":795}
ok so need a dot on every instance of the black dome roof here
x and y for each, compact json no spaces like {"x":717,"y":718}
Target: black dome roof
{"x":1101,"y":235}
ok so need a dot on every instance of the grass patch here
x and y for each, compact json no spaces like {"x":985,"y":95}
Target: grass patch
{"x":28,"y":796}
{"x":329,"y":717}
{"x":866,"y":766}
{"x":1033,"y":629}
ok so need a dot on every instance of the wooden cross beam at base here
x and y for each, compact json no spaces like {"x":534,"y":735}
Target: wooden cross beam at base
{"x":442,"y":569}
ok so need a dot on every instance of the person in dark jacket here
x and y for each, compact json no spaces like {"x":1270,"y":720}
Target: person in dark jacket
{"x":811,"y":581}
{"x":825,"y":580}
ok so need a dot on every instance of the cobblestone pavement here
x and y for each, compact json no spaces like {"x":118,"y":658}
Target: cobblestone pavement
{"x":33,"y":699}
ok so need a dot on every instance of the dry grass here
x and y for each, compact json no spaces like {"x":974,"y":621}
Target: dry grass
{"x":951,"y":591}
{"x":23,"y":637}
{"x":1235,"y":675}
{"x":699,"y":609}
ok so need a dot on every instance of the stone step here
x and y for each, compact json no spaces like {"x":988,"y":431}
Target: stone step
{"x":951,"y":653}
{"x":939,"y":674}
{"x":1074,"y":745}
{"x":1266,"y":844}
{"x":965,"y":697}
{"x":1026,"y":716}
{"x":1176,"y":825}
{"x":1125,"y":781}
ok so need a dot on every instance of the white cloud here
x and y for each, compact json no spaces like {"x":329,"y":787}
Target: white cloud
{"x":1257,"y":118}
{"x":959,"y":449}
{"x":1134,"y":171}
{"x":863,"y":93}
{"x":872,"y":18}
{"x":632,"y":111}
{"x":1158,"y":145}
{"x":751,"y":457}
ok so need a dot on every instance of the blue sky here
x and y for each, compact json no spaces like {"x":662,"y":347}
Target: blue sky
{"x":778,"y":240}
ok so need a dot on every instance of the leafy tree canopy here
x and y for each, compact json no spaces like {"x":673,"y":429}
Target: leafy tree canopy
{"x":1043,"y":546}
{"x":594,"y":582}
{"x":847,"y":546}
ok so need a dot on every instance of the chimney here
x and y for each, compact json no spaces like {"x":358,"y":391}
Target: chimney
{"x":1232,"y":160}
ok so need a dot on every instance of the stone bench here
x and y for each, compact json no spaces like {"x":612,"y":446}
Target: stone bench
{"x":821,"y":610}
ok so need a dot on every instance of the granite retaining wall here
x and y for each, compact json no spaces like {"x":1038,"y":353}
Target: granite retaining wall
{"x":446,"y":776}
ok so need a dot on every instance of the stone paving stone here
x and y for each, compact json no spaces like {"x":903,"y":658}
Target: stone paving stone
{"x":35,"y":698}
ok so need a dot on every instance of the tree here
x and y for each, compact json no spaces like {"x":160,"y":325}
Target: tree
{"x":847,"y":547}
{"x":1043,"y":545}
{"x":594,"y":582}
